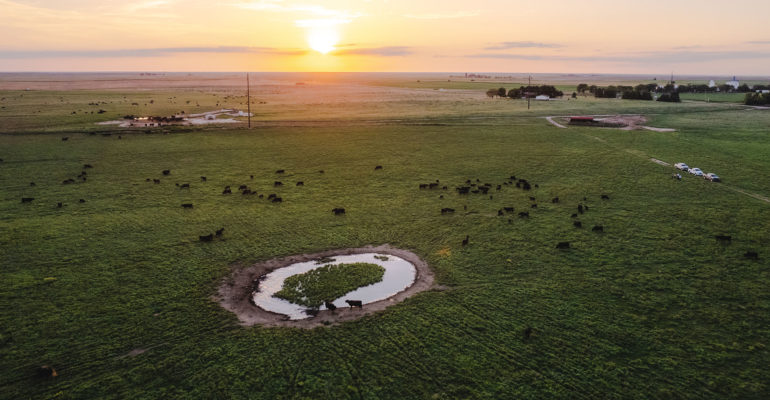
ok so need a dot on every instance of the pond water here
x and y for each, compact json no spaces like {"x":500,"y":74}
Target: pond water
{"x":399,"y":275}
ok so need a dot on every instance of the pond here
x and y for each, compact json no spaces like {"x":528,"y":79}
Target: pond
{"x":399,"y":275}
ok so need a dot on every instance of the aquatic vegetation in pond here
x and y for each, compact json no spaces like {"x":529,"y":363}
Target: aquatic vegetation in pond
{"x":328,"y":283}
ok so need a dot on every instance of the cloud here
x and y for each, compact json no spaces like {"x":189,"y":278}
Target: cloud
{"x":458,"y":14}
{"x":158,"y":52}
{"x":522,"y":45}
{"x":388,"y":51}
{"x":665,"y":56}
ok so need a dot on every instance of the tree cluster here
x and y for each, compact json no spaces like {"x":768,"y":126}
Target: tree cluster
{"x":532,"y":91}
{"x":672,"y":97}
{"x":757,"y":99}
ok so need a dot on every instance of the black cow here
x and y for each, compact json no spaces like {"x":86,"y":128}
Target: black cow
{"x":524,"y":214}
{"x":580,"y":208}
{"x":751,"y":255}
{"x":447,"y":210}
{"x":338,"y":211}
{"x":499,"y":187}
{"x":573,"y":216}
{"x":528,"y":331}
{"x":300,"y":183}
{"x":534,"y":206}
{"x":500,"y":212}
{"x":59,"y":205}
{"x":251,"y":176}
{"x":220,"y":231}
{"x":526,"y":186}
{"x":203,"y":179}
{"x":605,"y":197}
{"x":277,"y":200}
{"x":555,"y":200}
{"x":242,"y":187}
{"x":156,"y":181}
{"x":46,"y":371}
{"x":277,"y":183}
{"x":86,"y":166}
{"x":562,"y":245}
{"x":248,"y":191}
{"x":577,"y":224}
{"x":32,"y":184}
{"x":321,"y":171}
{"x":329,"y":305}
{"x":184,"y":186}
{"x":723,"y":238}
{"x":82,"y":200}
{"x":378,"y":167}
{"x":532,"y":198}
{"x":508,"y":209}
{"x":598,"y":228}
{"x":463,"y":190}
{"x":271,"y":196}
{"x":423,"y":186}
{"x":64,"y":139}
{"x":206,"y":238}
{"x":465,"y":241}
{"x":280,"y":171}
{"x":187,"y":205}
{"x":166,"y":172}
{"x":355,"y":303}
{"x":27,"y":199}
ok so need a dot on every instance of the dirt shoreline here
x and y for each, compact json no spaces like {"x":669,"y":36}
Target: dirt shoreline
{"x":235,"y":293}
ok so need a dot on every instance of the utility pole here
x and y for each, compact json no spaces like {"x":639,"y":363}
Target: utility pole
{"x":528,"y":93}
{"x":248,"y":99}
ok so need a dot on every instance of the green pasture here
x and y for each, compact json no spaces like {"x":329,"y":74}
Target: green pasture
{"x":116,"y":293}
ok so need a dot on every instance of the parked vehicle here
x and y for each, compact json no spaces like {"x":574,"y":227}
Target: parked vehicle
{"x":712,"y":177}
{"x":696,"y":171}
{"x":681,"y":166}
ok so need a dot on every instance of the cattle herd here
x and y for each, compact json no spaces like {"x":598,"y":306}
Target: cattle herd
{"x":467,"y":188}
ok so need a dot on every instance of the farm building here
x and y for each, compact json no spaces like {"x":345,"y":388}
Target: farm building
{"x":734,"y":83}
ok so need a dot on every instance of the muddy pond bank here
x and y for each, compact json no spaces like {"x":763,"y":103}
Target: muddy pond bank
{"x":235,"y":294}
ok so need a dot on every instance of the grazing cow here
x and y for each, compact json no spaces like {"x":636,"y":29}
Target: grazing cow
{"x":723,"y":238}
{"x":27,"y":199}
{"x":580,"y":208}
{"x":598,"y":228}
{"x":433,"y":185}
{"x":423,"y":186}
{"x":465,"y":241}
{"x":512,"y":177}
{"x":203,"y":179}
{"x":463,"y":190}
{"x":247,"y":191}
{"x":271,"y":196}
{"x":378,"y":167}
{"x":555,"y":200}
{"x":562,"y":245}
{"x":443,"y":188}
{"x":500,"y":212}
{"x":86,"y":166}
{"x":508,"y":209}
{"x":184,"y":186}
{"x":524,"y":214}
{"x":82,"y":200}
{"x":251,"y":176}
{"x":441,"y":197}
{"x":59,"y":205}
{"x":32,"y":184}
{"x":465,"y":208}
{"x":187,"y":205}
{"x":227,"y":190}
{"x":577,"y":224}
{"x":64,"y":139}
{"x":206,"y":238}
{"x":484,"y":189}
{"x":242,"y":187}
{"x":447,"y":210}
{"x":751,"y":255}
{"x":280,"y":171}
{"x":531,"y":198}
{"x":499,"y":187}
{"x":605,"y":197}
{"x":355,"y":303}
{"x":156,"y":181}
{"x":68,"y":181}
{"x":220,"y":231}
{"x":329,"y":305}
{"x":321,"y":171}
{"x":300,"y":183}
{"x":277,"y":200}
{"x":526,"y":186}
{"x":534,"y":206}
{"x":277,"y":183}
{"x":518,"y":185}
{"x":46,"y":371}
{"x":528,"y":331}
{"x":166,"y":172}
{"x":148,"y":180}
{"x":338,"y":211}
{"x":537,"y":186}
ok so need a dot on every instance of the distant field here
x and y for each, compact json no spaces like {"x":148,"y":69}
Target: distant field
{"x":115,"y":293}
{"x":714,"y":97}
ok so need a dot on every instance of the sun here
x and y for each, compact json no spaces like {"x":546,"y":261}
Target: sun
{"x":322,"y":39}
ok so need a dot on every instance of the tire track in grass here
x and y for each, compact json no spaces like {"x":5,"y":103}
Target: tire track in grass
{"x":424,"y":371}
{"x":349,"y":368}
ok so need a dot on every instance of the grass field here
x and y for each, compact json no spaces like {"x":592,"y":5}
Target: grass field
{"x":116,"y":293}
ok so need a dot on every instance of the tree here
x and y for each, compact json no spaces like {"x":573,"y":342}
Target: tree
{"x":574,"y":95}
{"x":501,"y":92}
{"x":581,"y":88}
{"x":491,"y":92}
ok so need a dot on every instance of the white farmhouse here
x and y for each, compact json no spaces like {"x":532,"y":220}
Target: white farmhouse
{"x":734,"y":83}
{"x":712,"y":84}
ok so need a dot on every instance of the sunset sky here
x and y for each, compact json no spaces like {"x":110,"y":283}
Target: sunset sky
{"x":605,"y":36}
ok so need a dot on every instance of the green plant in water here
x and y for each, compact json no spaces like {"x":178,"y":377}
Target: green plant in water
{"x":328,"y":283}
